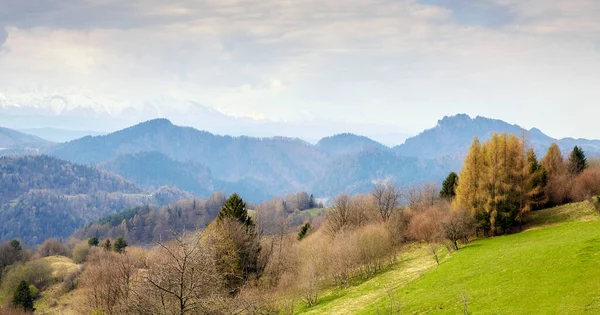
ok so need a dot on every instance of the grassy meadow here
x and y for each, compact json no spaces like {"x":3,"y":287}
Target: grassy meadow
{"x":553,"y":267}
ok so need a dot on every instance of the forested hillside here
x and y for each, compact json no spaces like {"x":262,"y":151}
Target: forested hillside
{"x":42,"y":197}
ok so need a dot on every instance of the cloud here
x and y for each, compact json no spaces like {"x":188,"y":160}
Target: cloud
{"x":381,"y":61}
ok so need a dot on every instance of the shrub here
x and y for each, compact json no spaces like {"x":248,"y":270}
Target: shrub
{"x":80,"y":252}
{"x":52,"y":247}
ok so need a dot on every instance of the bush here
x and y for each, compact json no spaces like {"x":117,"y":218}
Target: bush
{"x":80,"y":252}
{"x":52,"y":247}
{"x":37,"y":272}
{"x":33,"y":291}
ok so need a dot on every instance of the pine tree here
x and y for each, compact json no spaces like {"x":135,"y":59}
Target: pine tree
{"x":235,"y":208}
{"x":22,"y":297}
{"x":120,"y":244}
{"x":107,"y":244}
{"x":536,"y":180}
{"x":311,"y":202}
{"x":577,"y":161}
{"x":449,"y":187}
{"x":93,"y":241}
{"x":304,"y":231}
{"x":467,"y":192}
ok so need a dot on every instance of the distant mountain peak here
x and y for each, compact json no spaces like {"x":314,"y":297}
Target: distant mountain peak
{"x":458,"y":119}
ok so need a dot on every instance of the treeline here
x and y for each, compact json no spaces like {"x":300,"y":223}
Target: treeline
{"x":502,"y":180}
{"x":148,"y":224}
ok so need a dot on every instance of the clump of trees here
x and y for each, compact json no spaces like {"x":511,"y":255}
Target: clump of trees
{"x":502,"y":180}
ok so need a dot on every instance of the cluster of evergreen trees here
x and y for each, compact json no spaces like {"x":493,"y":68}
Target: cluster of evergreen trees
{"x":501,"y":180}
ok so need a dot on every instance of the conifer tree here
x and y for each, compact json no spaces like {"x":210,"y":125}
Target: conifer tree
{"x":553,"y":161}
{"x":22,"y":297}
{"x":235,"y":208}
{"x":577,"y":161}
{"x":467,"y":192}
{"x":107,"y":244}
{"x":93,"y":241}
{"x":536,"y":180}
{"x":120,"y":245}
{"x":304,"y":231}
{"x":449,"y":186}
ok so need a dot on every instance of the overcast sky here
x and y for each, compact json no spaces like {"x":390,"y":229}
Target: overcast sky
{"x":385,"y":62}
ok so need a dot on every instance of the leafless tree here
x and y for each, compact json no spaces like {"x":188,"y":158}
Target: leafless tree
{"x":182,"y":278}
{"x":387,"y":198}
{"x":457,"y":225}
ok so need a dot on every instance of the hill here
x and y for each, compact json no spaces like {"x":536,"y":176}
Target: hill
{"x":151,"y":170}
{"x":59,"y":135}
{"x":347,"y":144}
{"x":552,"y":267}
{"x":43,"y":197}
{"x":275,"y":164}
{"x":453,"y":135}
{"x":357,"y":173}
{"x":15,"y":142}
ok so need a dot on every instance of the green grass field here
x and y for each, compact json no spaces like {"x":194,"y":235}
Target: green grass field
{"x":551,"y":268}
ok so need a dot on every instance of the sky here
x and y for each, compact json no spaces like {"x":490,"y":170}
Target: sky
{"x":393,"y":65}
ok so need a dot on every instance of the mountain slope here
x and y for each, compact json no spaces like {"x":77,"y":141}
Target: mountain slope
{"x":278,"y":164}
{"x":452,"y":137}
{"x":150,"y":170}
{"x":12,"y":141}
{"x":347,"y":144}
{"x":42,"y":197}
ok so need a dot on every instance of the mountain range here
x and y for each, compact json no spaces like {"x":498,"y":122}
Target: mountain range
{"x":157,"y":153}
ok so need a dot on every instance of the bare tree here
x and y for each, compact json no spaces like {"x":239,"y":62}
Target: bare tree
{"x":182,"y":278}
{"x":387,"y":198}
{"x":457,"y":225}
{"x":426,"y":226}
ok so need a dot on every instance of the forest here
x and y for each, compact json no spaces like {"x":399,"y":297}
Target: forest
{"x":223,"y":255}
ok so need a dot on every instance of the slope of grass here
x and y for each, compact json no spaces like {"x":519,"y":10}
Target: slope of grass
{"x":411,"y":265}
{"x":549,"y":270}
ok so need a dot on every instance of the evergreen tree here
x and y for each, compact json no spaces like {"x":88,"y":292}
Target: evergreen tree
{"x":106,"y":244}
{"x":536,"y":180}
{"x":235,"y":208}
{"x":16,"y":245}
{"x":311,"y":202}
{"x":93,"y":241}
{"x":304,"y":231}
{"x":120,"y":244}
{"x":22,"y":297}
{"x":449,"y":186}
{"x":553,"y":161}
{"x":577,"y":161}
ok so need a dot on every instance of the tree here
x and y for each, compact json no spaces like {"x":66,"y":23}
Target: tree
{"x":468,"y":195}
{"x":311,"y":202}
{"x":107,"y":244}
{"x":536,"y":179}
{"x":449,"y":186}
{"x":235,"y":208}
{"x":457,"y":225}
{"x":387,"y":197}
{"x":120,"y":244}
{"x":577,"y":161}
{"x":22,"y":297}
{"x":304,"y":231}
{"x":93,"y":241}
{"x":553,"y":161}
{"x":183,"y":279}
